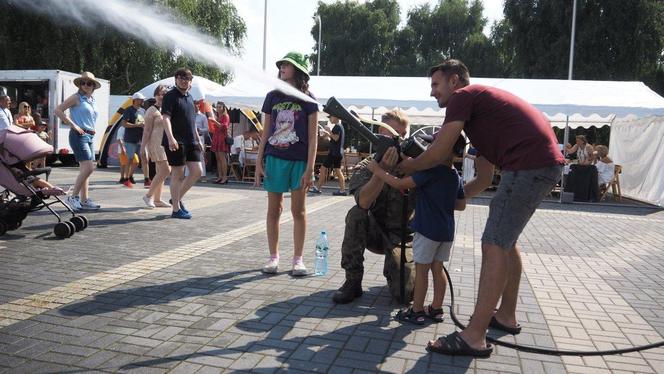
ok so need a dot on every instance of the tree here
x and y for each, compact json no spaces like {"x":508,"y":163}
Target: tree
{"x":358,"y":38}
{"x":615,"y":40}
{"x":364,"y":39}
{"x":37,"y":42}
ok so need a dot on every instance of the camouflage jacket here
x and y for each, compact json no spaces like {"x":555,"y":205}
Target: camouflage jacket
{"x":386,"y":210}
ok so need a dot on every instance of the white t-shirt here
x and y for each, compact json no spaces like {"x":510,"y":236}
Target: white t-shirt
{"x":201,"y":123}
{"x":5,"y":118}
{"x":120,"y":133}
{"x":604,"y":172}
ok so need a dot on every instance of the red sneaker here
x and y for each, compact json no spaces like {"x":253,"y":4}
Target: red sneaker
{"x":128,"y":184}
{"x":147,"y":183}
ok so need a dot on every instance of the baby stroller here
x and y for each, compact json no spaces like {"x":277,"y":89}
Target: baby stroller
{"x":17,"y":147}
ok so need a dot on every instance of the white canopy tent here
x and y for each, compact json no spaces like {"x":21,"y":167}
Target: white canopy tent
{"x":635,"y":112}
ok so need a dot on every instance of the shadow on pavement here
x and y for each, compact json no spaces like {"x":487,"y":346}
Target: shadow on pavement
{"x":364,"y":345}
{"x":159,"y":293}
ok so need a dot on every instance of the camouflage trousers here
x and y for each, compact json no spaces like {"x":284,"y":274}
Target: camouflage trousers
{"x":363,"y":232}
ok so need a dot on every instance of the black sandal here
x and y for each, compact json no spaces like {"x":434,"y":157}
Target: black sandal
{"x":454,"y":345}
{"x":499,"y":326}
{"x":436,"y":315}
{"x":411,"y":316}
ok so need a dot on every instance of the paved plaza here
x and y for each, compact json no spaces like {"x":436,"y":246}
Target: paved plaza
{"x":140,"y":292}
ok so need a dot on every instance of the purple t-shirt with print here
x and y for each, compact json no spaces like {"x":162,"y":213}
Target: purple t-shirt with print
{"x":288,"y":135}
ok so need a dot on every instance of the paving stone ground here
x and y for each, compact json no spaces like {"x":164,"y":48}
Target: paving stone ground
{"x":140,"y":292}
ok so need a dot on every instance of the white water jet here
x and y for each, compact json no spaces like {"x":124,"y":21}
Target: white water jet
{"x":153,"y":25}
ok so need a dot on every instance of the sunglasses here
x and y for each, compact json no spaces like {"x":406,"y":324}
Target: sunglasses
{"x":88,"y":83}
{"x":185,"y":78}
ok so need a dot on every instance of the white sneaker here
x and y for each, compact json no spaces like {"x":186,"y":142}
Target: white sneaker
{"x":271,"y":267}
{"x":88,"y":204}
{"x":74,"y":202}
{"x":299,"y":269}
{"x":149,"y":203}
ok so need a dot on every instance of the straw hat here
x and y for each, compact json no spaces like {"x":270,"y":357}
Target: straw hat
{"x":87,"y":76}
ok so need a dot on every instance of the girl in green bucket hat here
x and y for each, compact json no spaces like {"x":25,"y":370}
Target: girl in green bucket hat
{"x":286,"y":157}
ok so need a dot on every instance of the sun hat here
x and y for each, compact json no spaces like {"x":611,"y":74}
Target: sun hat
{"x":138,"y":96}
{"x":298,"y":60}
{"x":86,"y":75}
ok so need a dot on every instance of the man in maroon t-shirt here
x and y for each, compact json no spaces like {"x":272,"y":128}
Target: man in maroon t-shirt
{"x":513,"y":135}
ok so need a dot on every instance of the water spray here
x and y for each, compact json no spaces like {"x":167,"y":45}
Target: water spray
{"x":153,"y":26}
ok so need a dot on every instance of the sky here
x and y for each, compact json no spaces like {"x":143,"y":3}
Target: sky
{"x":289,"y":24}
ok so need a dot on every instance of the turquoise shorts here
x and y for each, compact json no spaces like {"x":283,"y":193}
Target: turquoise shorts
{"x":283,"y":175}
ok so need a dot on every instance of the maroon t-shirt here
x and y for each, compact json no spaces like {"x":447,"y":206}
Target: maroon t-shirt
{"x":505,"y":129}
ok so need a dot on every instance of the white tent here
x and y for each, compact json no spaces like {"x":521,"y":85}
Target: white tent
{"x":588,"y":103}
{"x":635,"y":112}
{"x":201,"y":88}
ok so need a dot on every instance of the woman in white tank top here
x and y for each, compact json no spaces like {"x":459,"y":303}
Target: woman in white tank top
{"x":582,"y":149}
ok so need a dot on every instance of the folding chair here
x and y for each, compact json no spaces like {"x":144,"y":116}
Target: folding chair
{"x":249,"y":168}
{"x":614,"y":185}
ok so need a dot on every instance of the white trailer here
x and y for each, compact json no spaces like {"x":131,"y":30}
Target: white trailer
{"x":57,"y":86}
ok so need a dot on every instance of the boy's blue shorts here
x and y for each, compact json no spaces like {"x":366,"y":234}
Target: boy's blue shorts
{"x":283,"y":175}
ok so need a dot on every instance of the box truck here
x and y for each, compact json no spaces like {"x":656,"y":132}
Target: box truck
{"x":44,"y":90}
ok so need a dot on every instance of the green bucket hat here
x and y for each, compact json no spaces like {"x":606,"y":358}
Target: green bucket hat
{"x":298,"y":60}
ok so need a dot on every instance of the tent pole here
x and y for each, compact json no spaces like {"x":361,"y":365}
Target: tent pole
{"x":562,"y":177}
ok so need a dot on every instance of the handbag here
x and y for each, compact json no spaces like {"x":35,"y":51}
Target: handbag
{"x":229,"y":140}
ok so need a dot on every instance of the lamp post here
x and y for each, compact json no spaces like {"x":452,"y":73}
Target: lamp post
{"x":569,"y":77}
{"x":320,"y":26}
{"x":264,"y":33}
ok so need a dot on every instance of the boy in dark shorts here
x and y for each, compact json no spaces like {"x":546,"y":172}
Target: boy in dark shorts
{"x":439,"y":191}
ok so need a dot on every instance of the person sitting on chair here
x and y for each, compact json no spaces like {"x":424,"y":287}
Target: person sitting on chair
{"x":605,"y":166}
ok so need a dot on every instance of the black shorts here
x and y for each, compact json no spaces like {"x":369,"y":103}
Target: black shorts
{"x":184,"y":153}
{"x":332,"y":161}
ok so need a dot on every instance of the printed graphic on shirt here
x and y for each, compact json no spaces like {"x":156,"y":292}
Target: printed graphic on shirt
{"x":284,"y":127}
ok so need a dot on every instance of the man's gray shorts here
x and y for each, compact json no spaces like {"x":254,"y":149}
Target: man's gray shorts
{"x":519,"y":194}
{"x":426,"y":251}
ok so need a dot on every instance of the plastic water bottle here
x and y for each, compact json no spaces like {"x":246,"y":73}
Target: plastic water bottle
{"x":322,"y":246}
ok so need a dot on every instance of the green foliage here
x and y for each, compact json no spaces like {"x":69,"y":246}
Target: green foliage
{"x":357,"y":38}
{"x":37,"y":42}
{"x":364,"y":39}
{"x":615,"y":39}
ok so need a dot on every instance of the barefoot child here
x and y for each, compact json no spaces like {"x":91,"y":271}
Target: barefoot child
{"x":439,"y":192}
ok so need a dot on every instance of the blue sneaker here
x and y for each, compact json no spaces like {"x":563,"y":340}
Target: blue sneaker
{"x":181,"y":206}
{"x":181,"y":214}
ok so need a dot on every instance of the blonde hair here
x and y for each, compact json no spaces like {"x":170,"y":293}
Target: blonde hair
{"x":397,"y":115}
{"x":23,"y":105}
{"x":602,"y":150}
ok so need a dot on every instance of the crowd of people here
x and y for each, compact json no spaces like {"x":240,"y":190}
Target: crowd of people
{"x":167,"y":134}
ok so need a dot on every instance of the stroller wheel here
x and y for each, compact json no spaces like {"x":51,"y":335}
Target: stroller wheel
{"x":72,"y":227}
{"x":78,"y":222}
{"x":62,"y":230}
{"x":14,"y":225}
{"x":85,"y":220}
{"x":3,"y":228}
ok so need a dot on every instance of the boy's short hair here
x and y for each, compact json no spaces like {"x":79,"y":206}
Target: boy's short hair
{"x":184,"y":73}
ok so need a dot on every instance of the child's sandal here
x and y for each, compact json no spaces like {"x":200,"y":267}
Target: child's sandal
{"x":411,"y":316}
{"x":436,"y":315}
